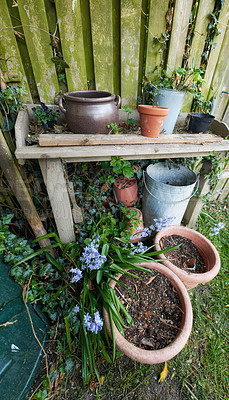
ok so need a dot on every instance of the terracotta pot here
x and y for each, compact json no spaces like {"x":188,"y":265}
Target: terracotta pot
{"x":152,"y":119}
{"x":170,"y":351}
{"x":206,"y":249}
{"x":90,"y":111}
{"x":136,"y":230}
{"x":126,"y":190}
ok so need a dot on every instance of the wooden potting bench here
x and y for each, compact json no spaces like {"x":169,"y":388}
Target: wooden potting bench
{"x":54,"y":150}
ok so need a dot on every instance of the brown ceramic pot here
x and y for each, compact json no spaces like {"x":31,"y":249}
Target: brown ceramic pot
{"x":170,"y":351}
{"x":126,"y":190}
{"x":90,"y":111}
{"x":152,"y":119}
{"x":206,"y":249}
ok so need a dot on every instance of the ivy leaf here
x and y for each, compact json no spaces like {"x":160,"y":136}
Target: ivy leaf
{"x":163,"y":374}
{"x":128,"y":172}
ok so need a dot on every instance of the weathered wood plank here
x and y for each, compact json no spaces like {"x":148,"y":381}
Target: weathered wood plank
{"x":9,"y":51}
{"x":179,"y":31}
{"x":158,"y":11}
{"x":53,"y":174}
{"x":94,"y":140}
{"x":195,"y":205}
{"x":102,"y":38}
{"x":220,"y":79}
{"x":35,"y":25}
{"x":70,"y":25}
{"x":128,"y":152}
{"x":198,"y":42}
{"x":130,"y":46}
{"x":213,"y":58}
{"x":14,"y":178}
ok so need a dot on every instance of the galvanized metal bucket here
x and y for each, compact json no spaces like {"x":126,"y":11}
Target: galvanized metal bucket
{"x":167,"y":191}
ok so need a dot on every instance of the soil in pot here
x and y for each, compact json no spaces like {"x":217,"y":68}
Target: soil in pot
{"x":186,"y":257}
{"x":154,"y":307}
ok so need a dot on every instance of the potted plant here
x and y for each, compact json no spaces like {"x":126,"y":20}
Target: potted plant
{"x":169,"y":89}
{"x":185,"y":267}
{"x":152,"y":119}
{"x":146,"y":353}
{"x":125,"y":185}
{"x":200,"y":118}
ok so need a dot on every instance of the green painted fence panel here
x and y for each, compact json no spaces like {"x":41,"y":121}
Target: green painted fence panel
{"x":179,"y":31}
{"x":35,"y":25}
{"x":218,"y":40}
{"x":71,"y":32}
{"x":200,"y":31}
{"x":220,"y":80}
{"x":158,"y":11}
{"x":9,"y":51}
{"x":130,"y":46}
{"x":102,"y":39}
{"x":198,"y":41}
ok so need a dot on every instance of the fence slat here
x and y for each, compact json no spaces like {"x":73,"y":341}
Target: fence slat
{"x":70,"y":25}
{"x":179,"y":32}
{"x":220,"y":81}
{"x":198,"y":41}
{"x":130,"y":44}
{"x":200,"y":31}
{"x":158,"y":10}
{"x":34,"y":21}
{"x":102,"y":37}
{"x":222,"y":24}
{"x":9,"y":50}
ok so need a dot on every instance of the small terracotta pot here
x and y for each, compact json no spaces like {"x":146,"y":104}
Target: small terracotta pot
{"x":206,"y":249}
{"x":138,"y":229}
{"x":170,"y":351}
{"x":152,"y":119}
{"x":126,"y":190}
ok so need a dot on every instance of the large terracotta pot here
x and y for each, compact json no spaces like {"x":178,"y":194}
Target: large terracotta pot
{"x":206,"y":249}
{"x":152,"y":119}
{"x":170,"y":351}
{"x":90,"y":111}
{"x":126,"y":190}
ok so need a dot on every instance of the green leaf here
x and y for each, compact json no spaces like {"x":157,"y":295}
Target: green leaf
{"x":68,"y":333}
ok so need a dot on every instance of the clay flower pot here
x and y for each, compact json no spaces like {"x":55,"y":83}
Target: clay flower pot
{"x":126,"y":190}
{"x":152,"y":119}
{"x":206,"y":249}
{"x":170,"y":351}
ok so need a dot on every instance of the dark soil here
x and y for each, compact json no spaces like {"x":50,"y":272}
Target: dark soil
{"x":154,"y":307}
{"x":186,"y":257}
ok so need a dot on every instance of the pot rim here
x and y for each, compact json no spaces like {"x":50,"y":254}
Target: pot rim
{"x":153,"y":110}
{"x":170,"y":351}
{"x":193,"y":278}
{"x":106,"y":96}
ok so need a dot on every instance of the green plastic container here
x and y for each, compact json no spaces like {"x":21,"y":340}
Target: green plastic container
{"x":20,"y":353}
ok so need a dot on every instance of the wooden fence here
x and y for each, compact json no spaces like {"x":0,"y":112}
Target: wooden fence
{"x":110,"y":45}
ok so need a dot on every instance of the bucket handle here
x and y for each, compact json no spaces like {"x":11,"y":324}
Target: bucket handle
{"x":117,"y":101}
{"x":169,"y":202}
{"x":60,"y":102}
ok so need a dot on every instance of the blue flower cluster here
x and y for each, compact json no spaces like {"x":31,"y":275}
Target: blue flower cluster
{"x":138,"y":249}
{"x":77,"y":274}
{"x":93,"y":325}
{"x":216,"y":229}
{"x":76,"y":309}
{"x":159,"y":224}
{"x":91,"y":258}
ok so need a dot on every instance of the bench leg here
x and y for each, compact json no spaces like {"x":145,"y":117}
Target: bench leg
{"x":53,"y":175}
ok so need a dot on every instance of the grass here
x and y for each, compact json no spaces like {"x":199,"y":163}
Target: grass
{"x":200,"y":371}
